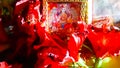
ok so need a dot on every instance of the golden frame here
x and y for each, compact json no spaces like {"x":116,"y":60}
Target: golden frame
{"x":85,"y":15}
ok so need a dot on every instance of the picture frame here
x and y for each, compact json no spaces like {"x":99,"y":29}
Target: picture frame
{"x":52,"y":11}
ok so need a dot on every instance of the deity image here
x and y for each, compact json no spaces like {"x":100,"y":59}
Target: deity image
{"x":61,"y":14}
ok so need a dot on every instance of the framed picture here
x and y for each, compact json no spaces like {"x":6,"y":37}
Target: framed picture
{"x":60,"y":12}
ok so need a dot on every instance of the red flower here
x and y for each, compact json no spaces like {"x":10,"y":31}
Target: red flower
{"x":99,"y":42}
{"x":50,"y":54}
{"x":114,"y":45}
{"x":104,"y":38}
{"x":77,"y":38}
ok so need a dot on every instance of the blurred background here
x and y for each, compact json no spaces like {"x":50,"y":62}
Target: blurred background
{"x":103,"y":8}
